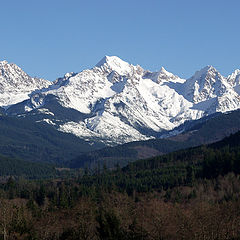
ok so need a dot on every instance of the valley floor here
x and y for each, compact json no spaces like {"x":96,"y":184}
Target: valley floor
{"x":208,"y":209}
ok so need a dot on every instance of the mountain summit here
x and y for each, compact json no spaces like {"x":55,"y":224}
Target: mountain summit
{"x":115,"y":64}
{"x":117,"y":102}
{"x":15,"y":84}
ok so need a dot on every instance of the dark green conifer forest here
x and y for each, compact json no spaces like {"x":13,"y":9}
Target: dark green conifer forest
{"x":188,"y":194}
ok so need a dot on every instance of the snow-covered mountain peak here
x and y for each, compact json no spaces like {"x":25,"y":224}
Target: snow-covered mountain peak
{"x":16,"y":85}
{"x":209,"y":68}
{"x":11,"y":72}
{"x":162,"y":76}
{"x":163,"y":70}
{"x":204,"y":71}
{"x":234,"y":78}
{"x":205,"y":84}
{"x":68,"y":75}
{"x":3,"y":62}
{"x":62,"y":81}
{"x":237,"y":71}
{"x":111,"y":61}
{"x":114,"y":63}
{"x":207,"y":74}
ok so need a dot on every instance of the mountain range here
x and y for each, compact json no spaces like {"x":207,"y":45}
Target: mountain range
{"x":116,"y":102}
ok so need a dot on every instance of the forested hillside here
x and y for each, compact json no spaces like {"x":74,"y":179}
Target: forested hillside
{"x":30,"y":170}
{"x":188,"y":194}
{"x":25,"y":139}
{"x":203,"y":131}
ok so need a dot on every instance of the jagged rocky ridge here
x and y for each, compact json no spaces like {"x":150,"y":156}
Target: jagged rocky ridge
{"x":16,"y":85}
{"x":116,"y":102}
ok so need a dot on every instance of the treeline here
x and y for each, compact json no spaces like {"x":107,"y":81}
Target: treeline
{"x":26,"y":169}
{"x":189,"y":194}
{"x":209,"y":209}
{"x":205,"y":130}
{"x":23,"y":138}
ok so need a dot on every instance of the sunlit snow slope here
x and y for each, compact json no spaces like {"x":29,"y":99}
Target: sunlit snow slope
{"x":15,"y":84}
{"x":116,"y":102}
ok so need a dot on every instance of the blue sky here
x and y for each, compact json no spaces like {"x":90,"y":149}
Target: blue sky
{"x":48,"y":38}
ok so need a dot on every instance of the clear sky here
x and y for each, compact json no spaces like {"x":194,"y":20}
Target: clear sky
{"x":48,"y":38}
